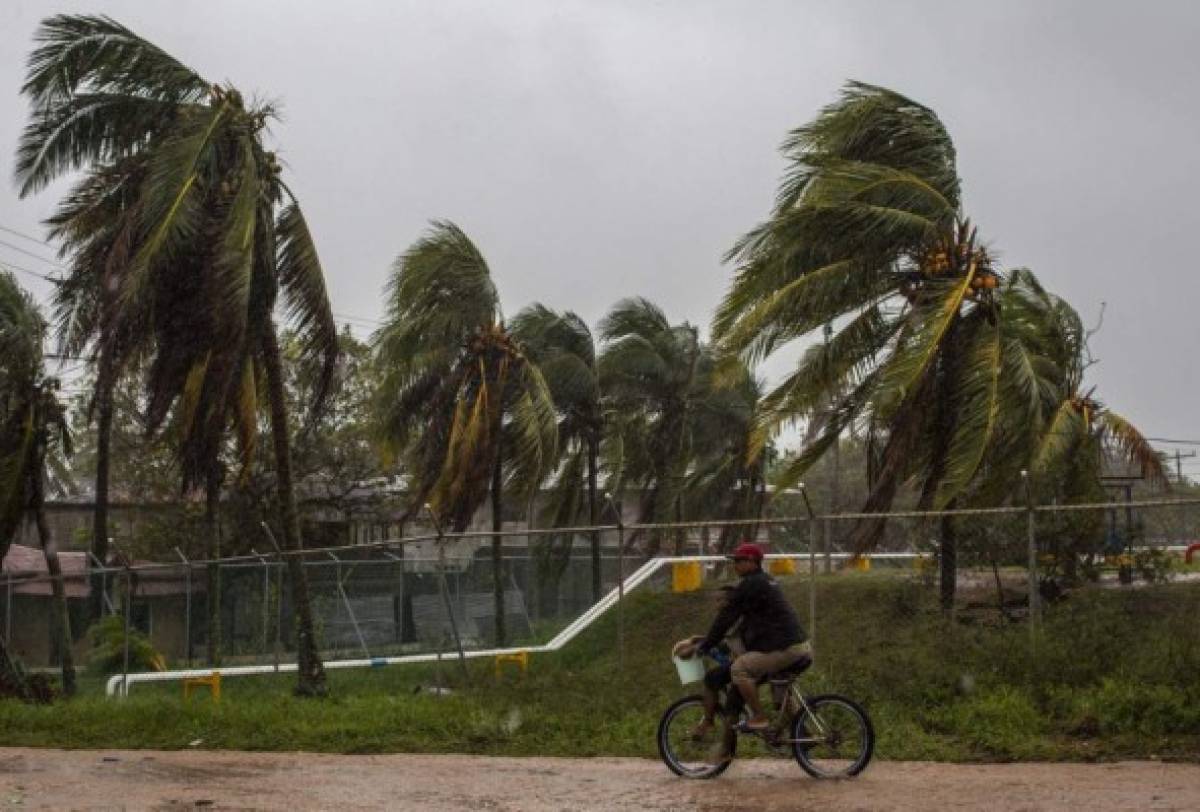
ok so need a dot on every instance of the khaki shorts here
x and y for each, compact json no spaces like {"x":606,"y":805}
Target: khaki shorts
{"x":756,"y":664}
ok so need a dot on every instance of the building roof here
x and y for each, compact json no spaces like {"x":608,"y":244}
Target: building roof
{"x":29,"y":562}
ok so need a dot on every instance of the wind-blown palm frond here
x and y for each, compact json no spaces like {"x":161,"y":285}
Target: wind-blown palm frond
{"x":842,"y":415}
{"x":655,"y":377}
{"x":829,"y":367}
{"x":979,"y":401}
{"x":33,"y":425}
{"x":533,"y":432}
{"x":87,"y":128}
{"x":302,"y":283}
{"x":1130,"y":443}
{"x":172,"y":201}
{"x":872,"y":125}
{"x":440,"y":291}
{"x":1065,"y":430}
{"x":98,"y":92}
{"x":451,"y":369}
{"x":803,"y":305}
{"x":97,"y":51}
{"x":921,"y":345}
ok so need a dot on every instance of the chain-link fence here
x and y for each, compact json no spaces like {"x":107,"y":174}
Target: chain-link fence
{"x":439,"y":594}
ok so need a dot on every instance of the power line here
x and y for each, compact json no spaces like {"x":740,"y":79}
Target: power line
{"x":1173,"y":442}
{"x":23,"y":235}
{"x":364,"y":319}
{"x":6,"y":264}
{"x":21,"y":250}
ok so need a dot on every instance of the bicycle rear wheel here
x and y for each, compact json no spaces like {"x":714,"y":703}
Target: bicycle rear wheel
{"x":834,"y":739}
{"x":684,"y":755}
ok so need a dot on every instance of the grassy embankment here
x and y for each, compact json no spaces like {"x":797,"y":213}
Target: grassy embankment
{"x":1114,"y":675}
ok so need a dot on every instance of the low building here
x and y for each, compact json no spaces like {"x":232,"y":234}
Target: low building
{"x":158,"y":609}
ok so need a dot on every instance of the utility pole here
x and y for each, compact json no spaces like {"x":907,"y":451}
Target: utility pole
{"x":835,"y":496}
{"x":1179,"y":457}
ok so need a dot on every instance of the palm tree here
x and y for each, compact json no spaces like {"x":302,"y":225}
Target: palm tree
{"x":562,"y":347}
{"x":654,"y":376}
{"x":33,"y":431}
{"x":199,"y":235}
{"x":868,"y":233}
{"x":458,"y":399}
{"x":1077,"y":428}
{"x":728,"y":477}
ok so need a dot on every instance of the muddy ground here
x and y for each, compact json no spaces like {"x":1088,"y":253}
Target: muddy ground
{"x":56,"y":779}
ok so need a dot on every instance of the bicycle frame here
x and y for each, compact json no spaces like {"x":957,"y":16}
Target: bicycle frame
{"x":779,"y":734}
{"x":793,"y":705}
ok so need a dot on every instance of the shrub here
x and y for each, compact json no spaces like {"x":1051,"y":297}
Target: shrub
{"x":1004,"y":722}
{"x":1118,"y":706}
{"x":108,"y":652}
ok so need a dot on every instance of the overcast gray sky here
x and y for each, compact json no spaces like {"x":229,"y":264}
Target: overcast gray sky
{"x":605,"y":149}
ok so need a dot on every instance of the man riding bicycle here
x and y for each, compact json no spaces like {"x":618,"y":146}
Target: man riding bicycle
{"x":770,"y":631}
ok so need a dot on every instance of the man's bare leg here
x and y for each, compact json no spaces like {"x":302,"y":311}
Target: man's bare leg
{"x":701,"y":731}
{"x":748,"y":688}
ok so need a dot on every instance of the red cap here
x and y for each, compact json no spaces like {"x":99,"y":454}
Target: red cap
{"x":747,"y":550}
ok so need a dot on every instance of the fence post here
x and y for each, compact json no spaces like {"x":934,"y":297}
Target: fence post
{"x":812,"y":569}
{"x":445,"y":590}
{"x":620,"y":583}
{"x":1031,"y":526}
{"x":398,"y":633}
{"x":280,"y":572}
{"x":106,"y":602}
{"x":128,"y":605}
{"x":828,"y":546}
{"x":362,"y":641}
{"x":266,"y":612}
{"x":8,"y":595}
{"x":187,"y":607}
{"x":279,"y":590}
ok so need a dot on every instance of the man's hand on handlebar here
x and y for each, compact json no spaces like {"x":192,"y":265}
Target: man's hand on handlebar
{"x":687,"y":649}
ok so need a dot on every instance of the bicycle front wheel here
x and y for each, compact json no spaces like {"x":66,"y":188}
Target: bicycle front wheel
{"x":681,"y":751}
{"x":834,"y":739}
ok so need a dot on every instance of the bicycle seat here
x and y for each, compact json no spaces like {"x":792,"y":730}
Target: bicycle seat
{"x":792,"y":671}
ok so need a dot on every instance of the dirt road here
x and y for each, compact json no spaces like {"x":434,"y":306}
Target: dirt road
{"x":56,"y":779}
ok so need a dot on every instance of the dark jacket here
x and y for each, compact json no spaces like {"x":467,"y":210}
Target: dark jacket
{"x":769,"y":623}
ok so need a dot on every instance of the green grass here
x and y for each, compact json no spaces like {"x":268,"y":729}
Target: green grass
{"x":1111,"y":675}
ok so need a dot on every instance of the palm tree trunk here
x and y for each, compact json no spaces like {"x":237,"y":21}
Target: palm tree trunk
{"x":311,"y":680}
{"x":12,"y":678}
{"x":866,"y":533}
{"x":105,"y":384}
{"x":61,"y":624}
{"x":945,"y":419}
{"x":594,"y":518}
{"x":212,"y":531}
{"x":498,"y":547}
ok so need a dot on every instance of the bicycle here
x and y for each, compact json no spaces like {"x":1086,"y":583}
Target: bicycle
{"x":829,"y":735}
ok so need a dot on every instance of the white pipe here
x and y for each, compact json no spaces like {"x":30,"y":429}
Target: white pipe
{"x":604,"y":604}
{"x":637,"y":578}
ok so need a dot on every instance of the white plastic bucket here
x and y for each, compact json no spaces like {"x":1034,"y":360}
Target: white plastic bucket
{"x":689,"y":670}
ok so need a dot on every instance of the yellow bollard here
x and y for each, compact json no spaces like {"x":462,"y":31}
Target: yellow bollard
{"x":517,"y":658}
{"x":212,"y":682}
{"x":686,"y":576}
{"x":782,"y":566}
{"x":860,"y":563}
